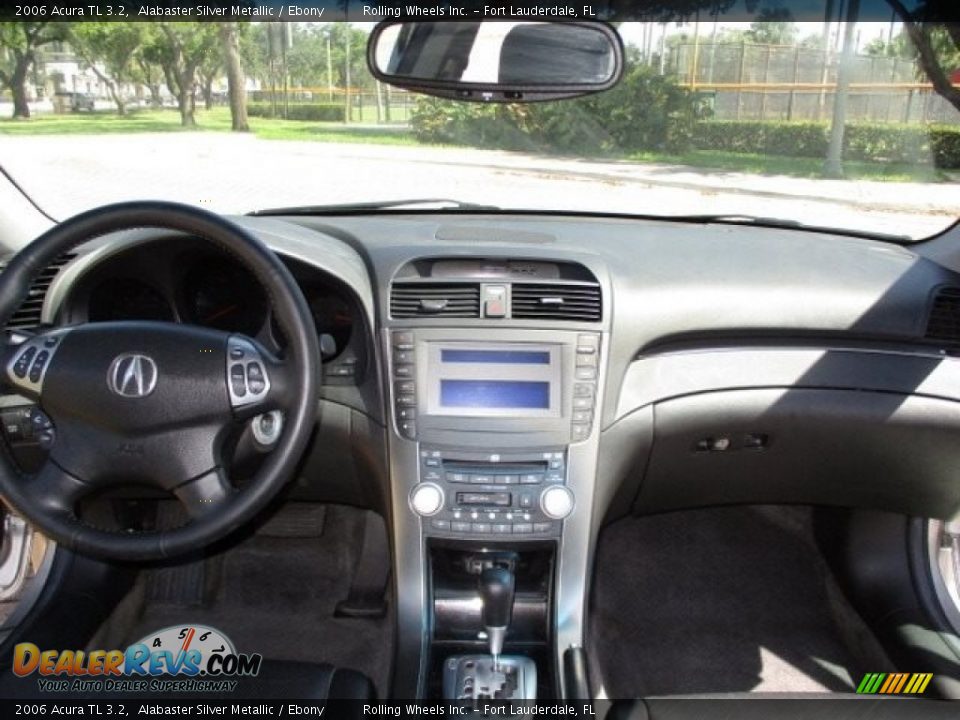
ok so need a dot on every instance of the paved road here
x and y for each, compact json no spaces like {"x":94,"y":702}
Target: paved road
{"x":238,"y":173}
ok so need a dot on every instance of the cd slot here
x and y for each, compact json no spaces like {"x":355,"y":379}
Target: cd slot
{"x":526,"y":473}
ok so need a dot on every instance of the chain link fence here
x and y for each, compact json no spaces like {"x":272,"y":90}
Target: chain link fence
{"x":383,"y":106}
{"x":742,"y":81}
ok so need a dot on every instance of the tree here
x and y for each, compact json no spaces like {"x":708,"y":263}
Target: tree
{"x":110,"y":50}
{"x":936,"y":44}
{"x":813,"y":41}
{"x":20,"y":41}
{"x":180,"y":49}
{"x":208,"y":71}
{"x":150,"y":74}
{"x":236,"y":82}
{"x":772,"y":27}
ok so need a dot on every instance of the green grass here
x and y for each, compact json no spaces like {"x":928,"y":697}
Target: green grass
{"x":215,"y":120}
{"x":218,"y":120}
{"x":793,"y":166}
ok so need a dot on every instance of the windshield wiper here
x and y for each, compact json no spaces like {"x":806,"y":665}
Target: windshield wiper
{"x":361,"y":207}
{"x":760,"y":221}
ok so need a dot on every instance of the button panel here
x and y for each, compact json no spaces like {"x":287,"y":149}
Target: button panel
{"x":494,"y":496}
{"x":247,"y":379}
{"x":403,"y":369}
{"x":585,"y":375}
{"x":28,"y":366}
{"x":28,"y":424}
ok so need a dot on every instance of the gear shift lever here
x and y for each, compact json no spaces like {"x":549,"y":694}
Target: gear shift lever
{"x":496,"y":591}
{"x":511,"y":678}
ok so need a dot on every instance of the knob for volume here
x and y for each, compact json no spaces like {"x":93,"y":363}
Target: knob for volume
{"x":556,"y":502}
{"x":426,"y":499}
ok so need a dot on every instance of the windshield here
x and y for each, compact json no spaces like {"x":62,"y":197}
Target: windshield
{"x":709,"y":117}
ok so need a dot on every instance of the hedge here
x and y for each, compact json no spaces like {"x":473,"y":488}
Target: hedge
{"x":862,"y":141}
{"x":318,"y":112}
{"x":645,"y":111}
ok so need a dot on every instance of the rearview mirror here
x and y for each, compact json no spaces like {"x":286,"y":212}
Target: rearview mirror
{"x":497,"y":61}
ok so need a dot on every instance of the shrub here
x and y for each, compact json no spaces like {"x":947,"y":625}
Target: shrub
{"x":317,"y":112}
{"x":874,"y":142}
{"x":797,"y":139}
{"x":644,"y":112}
{"x":945,"y":146}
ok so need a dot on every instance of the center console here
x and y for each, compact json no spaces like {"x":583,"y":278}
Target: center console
{"x":494,"y":429}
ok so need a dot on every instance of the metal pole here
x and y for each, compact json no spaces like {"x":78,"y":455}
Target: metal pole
{"x":833,"y":167}
{"x":796,"y":71}
{"x":329,"y":68}
{"x":346,"y":61}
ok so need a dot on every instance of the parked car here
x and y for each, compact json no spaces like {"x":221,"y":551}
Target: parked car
{"x":82,"y":101}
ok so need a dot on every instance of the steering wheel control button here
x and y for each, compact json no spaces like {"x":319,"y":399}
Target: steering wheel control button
{"x":255,"y":379}
{"x":427,"y":499}
{"x":39,"y":363}
{"x":238,"y":381}
{"x":247,"y":379}
{"x":556,"y":502}
{"x":22,"y":363}
{"x":39,"y":420}
{"x":28,"y":366}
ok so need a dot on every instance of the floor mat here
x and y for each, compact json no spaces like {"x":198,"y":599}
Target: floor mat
{"x":274,"y":594}
{"x":723,"y":600}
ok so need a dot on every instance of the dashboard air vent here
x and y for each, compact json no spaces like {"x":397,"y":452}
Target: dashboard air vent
{"x":944,"y":320}
{"x":576,"y":301}
{"x":27,"y":316}
{"x":417,"y":299}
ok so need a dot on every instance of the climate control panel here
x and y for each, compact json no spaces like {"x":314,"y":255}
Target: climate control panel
{"x":495,"y":496}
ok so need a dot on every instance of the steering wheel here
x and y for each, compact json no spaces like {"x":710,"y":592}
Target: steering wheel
{"x":153,"y":402}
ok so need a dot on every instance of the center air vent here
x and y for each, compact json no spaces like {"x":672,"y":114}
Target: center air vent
{"x":416,"y":299}
{"x":27,"y":316}
{"x":944,"y":320}
{"x":556,"y":301}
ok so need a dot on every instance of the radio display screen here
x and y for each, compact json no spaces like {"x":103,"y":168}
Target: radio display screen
{"x":475,"y":379}
{"x":509,"y":394}
{"x":512,"y":357}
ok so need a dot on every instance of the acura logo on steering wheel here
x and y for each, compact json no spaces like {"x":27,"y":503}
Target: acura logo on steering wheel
{"x":132,"y":375}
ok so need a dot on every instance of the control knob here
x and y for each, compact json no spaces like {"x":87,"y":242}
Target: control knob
{"x":426,"y":499}
{"x":556,"y":502}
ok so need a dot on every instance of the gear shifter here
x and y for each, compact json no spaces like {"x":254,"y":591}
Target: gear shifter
{"x":495,"y":676}
{"x":496,"y":591}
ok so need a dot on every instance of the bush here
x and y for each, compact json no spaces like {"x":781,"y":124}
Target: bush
{"x":873,"y":142}
{"x":797,"y":139}
{"x":317,"y":112}
{"x":644,"y":112}
{"x":945,"y":146}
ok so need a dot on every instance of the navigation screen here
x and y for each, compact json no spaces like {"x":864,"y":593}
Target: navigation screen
{"x":494,"y":394}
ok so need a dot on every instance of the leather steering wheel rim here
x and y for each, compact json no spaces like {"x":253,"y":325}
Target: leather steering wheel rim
{"x":292,"y":386}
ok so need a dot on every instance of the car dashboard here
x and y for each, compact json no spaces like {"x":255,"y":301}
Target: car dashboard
{"x":514,"y":381}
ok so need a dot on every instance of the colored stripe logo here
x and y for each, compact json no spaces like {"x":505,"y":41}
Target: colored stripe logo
{"x":894,"y":683}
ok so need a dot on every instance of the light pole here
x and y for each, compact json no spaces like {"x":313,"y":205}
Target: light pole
{"x":329,"y":34}
{"x":346,"y":76}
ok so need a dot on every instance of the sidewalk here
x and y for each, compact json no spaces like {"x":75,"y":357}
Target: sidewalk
{"x":938,"y":198}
